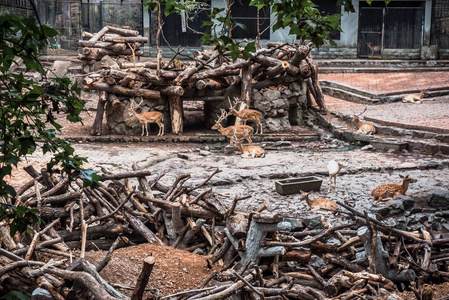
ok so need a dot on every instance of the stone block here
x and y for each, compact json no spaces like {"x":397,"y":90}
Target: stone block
{"x":439,"y":199}
{"x":429,"y":52}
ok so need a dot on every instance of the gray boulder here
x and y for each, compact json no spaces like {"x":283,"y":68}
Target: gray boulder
{"x":439,"y":199}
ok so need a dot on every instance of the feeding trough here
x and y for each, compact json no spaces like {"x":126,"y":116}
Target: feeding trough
{"x":295,"y":185}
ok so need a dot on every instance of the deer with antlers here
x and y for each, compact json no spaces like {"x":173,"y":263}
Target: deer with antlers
{"x":414,"y":98}
{"x":147,"y":117}
{"x":251,"y":115}
{"x":233,"y":132}
{"x":365,"y":128}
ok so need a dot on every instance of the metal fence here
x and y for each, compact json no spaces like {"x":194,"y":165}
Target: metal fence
{"x":97,"y":15}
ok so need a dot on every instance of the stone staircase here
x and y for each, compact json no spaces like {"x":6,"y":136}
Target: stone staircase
{"x":390,"y":136}
{"x":380,"y":66}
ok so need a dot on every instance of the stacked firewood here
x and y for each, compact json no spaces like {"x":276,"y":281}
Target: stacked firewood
{"x":264,"y":255}
{"x":207,"y":76}
{"x":112,"y":41}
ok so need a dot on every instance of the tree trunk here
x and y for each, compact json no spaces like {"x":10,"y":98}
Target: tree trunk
{"x":98,"y":123}
{"x":176,"y":114}
{"x":116,"y":89}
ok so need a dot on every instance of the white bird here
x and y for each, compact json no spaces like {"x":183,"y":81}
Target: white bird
{"x":334,"y":168}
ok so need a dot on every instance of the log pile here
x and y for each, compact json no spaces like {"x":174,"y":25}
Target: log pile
{"x":208,"y":76}
{"x":111,"y":41}
{"x":264,"y":256}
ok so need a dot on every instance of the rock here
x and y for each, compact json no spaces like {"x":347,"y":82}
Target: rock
{"x":271,"y":95}
{"x":58,"y":69}
{"x":283,"y":143}
{"x":368,"y":147}
{"x":183,"y":155}
{"x":313,"y":222}
{"x":229,"y":150}
{"x":394,"y":297}
{"x":396,"y":206}
{"x":41,"y":294}
{"x":382,"y":211}
{"x":407,"y":201}
{"x":205,"y":153}
{"x":439,"y":199}
{"x":278,"y":124}
{"x":317,"y":262}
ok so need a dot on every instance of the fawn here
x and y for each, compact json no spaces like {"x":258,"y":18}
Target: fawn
{"x":250,"y":151}
{"x":414,"y":98}
{"x":248,"y":115}
{"x":318,"y":203}
{"x":236,"y":131}
{"x":392,"y":190}
{"x":148,"y":117}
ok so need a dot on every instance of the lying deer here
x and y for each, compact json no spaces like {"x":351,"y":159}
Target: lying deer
{"x":392,"y":190}
{"x":365,"y":128}
{"x":236,"y":131}
{"x":414,"y":98}
{"x":248,"y":115}
{"x":374,"y":49}
{"x":148,"y":117}
{"x":250,"y":151}
{"x":318,"y":203}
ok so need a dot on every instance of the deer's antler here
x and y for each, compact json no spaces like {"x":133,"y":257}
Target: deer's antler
{"x":362,"y":111}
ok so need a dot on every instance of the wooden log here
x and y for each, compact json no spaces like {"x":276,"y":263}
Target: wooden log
{"x":276,"y":81}
{"x":273,"y":62}
{"x":104,"y":45}
{"x":126,"y":80}
{"x":220,"y":71}
{"x":191,"y":212}
{"x":184,"y":75}
{"x":301,"y":256}
{"x":98,"y":122}
{"x":173,"y":91}
{"x":109,"y":229}
{"x":115,"y":102}
{"x":140,"y":227}
{"x":116,"y":89}
{"x":142,"y":280}
{"x":245,"y":95}
{"x":167,"y":74}
{"x":99,"y":34}
{"x":301,"y":53}
{"x":233,"y":80}
{"x":278,"y":69}
{"x":129,"y":65}
{"x":127,"y":39}
{"x":87,"y":35}
{"x":98,"y":54}
{"x":142,"y":75}
{"x":122,"y":31}
{"x":177,"y":123}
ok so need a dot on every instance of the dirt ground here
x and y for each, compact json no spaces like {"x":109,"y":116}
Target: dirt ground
{"x":177,"y":270}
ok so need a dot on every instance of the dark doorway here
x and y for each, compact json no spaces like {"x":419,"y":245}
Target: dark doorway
{"x":397,"y":26}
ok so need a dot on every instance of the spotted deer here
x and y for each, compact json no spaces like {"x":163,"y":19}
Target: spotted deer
{"x":414,"y":98}
{"x":251,"y":115}
{"x":147,"y":117}
{"x":392,"y":190}
{"x":363,"y":127}
{"x":233,"y":132}
{"x":318,"y":203}
{"x":250,"y":151}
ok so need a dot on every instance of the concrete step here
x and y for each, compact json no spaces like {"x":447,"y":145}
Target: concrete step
{"x":388,"y":138}
{"x":381,"y":64}
{"x":348,"y":95}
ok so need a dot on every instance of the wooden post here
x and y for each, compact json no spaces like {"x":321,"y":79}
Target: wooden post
{"x":97,"y":126}
{"x":142,"y":281}
{"x":176,"y":115}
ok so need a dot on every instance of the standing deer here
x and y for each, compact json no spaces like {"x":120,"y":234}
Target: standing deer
{"x":236,"y":131}
{"x":251,"y":115}
{"x":148,"y":117}
{"x":374,"y":49}
{"x":250,"y":151}
{"x":318,"y":203}
{"x":414,"y":98}
{"x":365,"y":128}
{"x":392,"y":190}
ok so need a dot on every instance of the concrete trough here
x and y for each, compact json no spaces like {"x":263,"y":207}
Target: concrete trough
{"x":296,"y":185}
